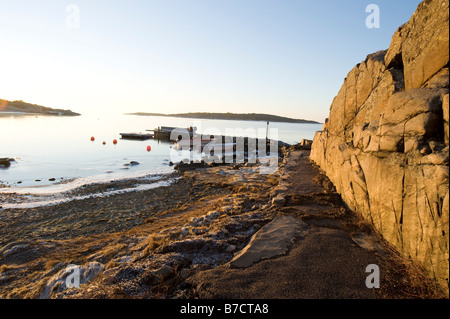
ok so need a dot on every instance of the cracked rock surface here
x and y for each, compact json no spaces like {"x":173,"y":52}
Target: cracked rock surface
{"x":385,"y":146}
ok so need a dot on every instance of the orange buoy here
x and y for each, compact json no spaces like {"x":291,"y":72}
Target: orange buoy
{"x":92,"y":138}
{"x":149,"y":148}
{"x":115,"y":142}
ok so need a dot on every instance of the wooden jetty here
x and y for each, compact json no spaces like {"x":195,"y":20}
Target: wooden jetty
{"x":164,"y":132}
{"x":227,"y":142}
{"x":136,"y":136}
{"x":160,"y":133}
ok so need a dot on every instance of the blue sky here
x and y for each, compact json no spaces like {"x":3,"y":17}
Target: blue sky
{"x":285,"y":57}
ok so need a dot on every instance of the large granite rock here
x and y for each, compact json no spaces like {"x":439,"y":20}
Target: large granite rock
{"x":385,"y":144}
{"x":421,"y":45}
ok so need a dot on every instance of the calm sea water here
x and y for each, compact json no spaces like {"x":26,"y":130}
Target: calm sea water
{"x":60,"y":147}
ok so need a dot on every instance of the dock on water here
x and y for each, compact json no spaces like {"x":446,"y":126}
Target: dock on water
{"x":164,"y":132}
{"x":160,"y":133}
{"x":136,"y":136}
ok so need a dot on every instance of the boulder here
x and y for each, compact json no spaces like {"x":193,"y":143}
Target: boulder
{"x":58,"y":283}
{"x":279,"y":201}
{"x":306,"y":144}
{"x":5,"y":163}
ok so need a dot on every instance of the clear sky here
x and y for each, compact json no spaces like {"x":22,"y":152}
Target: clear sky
{"x":282,"y":57}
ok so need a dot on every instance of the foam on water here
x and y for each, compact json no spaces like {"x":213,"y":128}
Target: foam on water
{"x":66,"y":186}
{"x":29,"y":200}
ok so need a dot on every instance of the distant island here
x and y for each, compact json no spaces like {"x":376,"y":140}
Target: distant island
{"x":21,"y":107}
{"x":230,"y":116}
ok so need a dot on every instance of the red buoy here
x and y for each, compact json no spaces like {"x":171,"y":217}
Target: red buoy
{"x":149,"y":148}
{"x":92,"y":138}
{"x":115,"y":142}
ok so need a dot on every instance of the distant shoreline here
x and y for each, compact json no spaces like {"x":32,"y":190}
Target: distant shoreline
{"x":12,"y":113}
{"x":8,"y":108}
{"x":230,"y":116}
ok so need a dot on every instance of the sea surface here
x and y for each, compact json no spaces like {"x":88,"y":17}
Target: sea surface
{"x":55,"y":154}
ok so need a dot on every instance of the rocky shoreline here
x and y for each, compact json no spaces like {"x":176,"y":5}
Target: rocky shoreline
{"x":106,"y":232}
{"x":151,"y":244}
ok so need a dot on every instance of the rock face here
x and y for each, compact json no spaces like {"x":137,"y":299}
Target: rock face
{"x":385,"y":145}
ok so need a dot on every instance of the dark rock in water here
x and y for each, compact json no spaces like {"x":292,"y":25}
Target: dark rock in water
{"x":52,"y":179}
{"x":170,"y":163}
{"x":37,"y":180}
{"x":132,"y":163}
{"x":5,"y":163}
{"x":19,"y":182}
